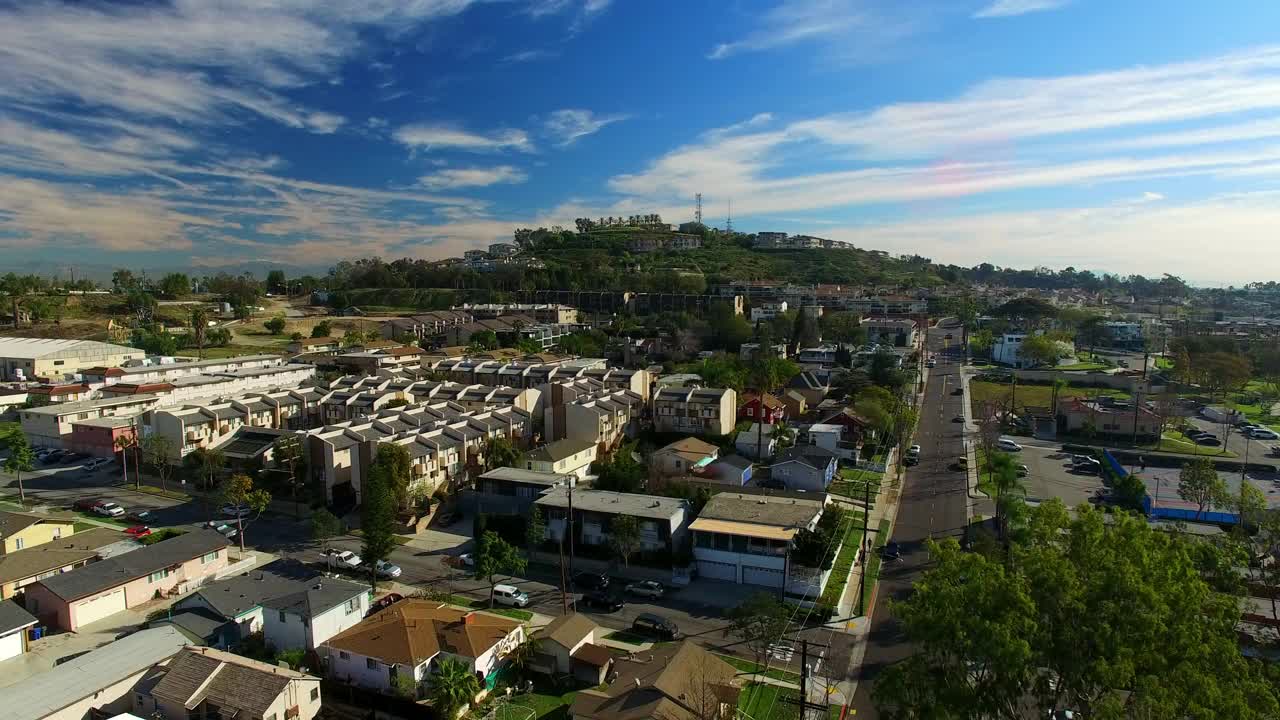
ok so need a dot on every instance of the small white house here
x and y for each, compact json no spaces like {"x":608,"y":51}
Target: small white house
{"x":756,"y":442}
{"x":14,"y":622}
{"x":567,"y":646}
{"x":412,"y":637}
{"x":571,"y":456}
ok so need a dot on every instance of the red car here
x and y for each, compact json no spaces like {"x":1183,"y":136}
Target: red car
{"x":138,"y":531}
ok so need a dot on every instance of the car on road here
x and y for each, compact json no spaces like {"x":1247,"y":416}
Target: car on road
{"x":1084,"y":463}
{"x":958,"y":419}
{"x":646,"y":588}
{"x":930,"y":363}
{"x":142,"y":517}
{"x":1008,"y":445}
{"x":591,"y":581}
{"x":342,"y":558}
{"x":962,"y":462}
{"x":655,"y":626}
{"x":891,"y":552}
{"x":95,"y":464}
{"x":911,"y":460}
{"x":600,"y":600}
{"x":467,"y":560}
{"x":109,"y":509}
{"x":235,"y":511}
{"x":913,"y":450}
{"x":510,"y":595}
{"x":958,"y":391}
{"x":1023,"y":471}
{"x":1264,"y":434}
{"x":137,"y":531}
{"x":386,"y":570}
{"x":222,"y":529}
{"x":85,"y":504}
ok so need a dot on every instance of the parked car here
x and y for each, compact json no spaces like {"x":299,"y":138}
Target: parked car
{"x":1264,"y":434}
{"x":222,"y":529}
{"x":958,"y":391}
{"x":646,"y":588}
{"x":137,"y":531}
{"x":958,"y":419}
{"x":911,"y":460}
{"x":142,"y":517}
{"x":600,"y":600}
{"x":930,"y":362}
{"x":95,"y":464}
{"x":591,"y":581}
{"x":108,"y":509}
{"x":891,"y":552}
{"x":510,"y":595}
{"x":386,"y":570}
{"x":655,"y":626}
{"x":1023,"y":471}
{"x":342,"y":558}
{"x":1008,"y":445}
{"x":467,"y":560}
{"x":913,"y":450}
{"x":384,"y":602}
{"x":235,"y":511}
{"x":1208,"y":440}
{"x":85,"y":504}
{"x":962,"y":462}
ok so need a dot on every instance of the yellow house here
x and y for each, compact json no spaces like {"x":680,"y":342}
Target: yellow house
{"x":19,"y":531}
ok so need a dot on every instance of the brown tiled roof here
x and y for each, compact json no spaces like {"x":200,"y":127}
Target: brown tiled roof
{"x":233,"y":683}
{"x":413,"y":631}
{"x":592,"y":654}
{"x":692,"y":445}
{"x":58,"y":389}
{"x":138,"y":389}
{"x":568,"y":630}
{"x":655,"y":684}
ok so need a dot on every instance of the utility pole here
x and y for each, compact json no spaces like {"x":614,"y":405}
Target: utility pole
{"x":569,"y":528}
{"x":803,"y":702}
{"x":862,"y":565}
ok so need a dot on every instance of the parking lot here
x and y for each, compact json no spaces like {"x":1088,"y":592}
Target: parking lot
{"x":1049,"y":475}
{"x":1162,"y":485}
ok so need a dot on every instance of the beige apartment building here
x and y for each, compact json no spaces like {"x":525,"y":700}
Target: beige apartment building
{"x":695,"y":411}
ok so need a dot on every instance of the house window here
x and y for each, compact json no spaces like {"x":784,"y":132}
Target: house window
{"x":272,"y":716}
{"x":353,"y":605}
{"x":342,"y":654}
{"x":315,"y":692}
{"x":208,"y":557}
{"x":159,"y":575}
{"x":282,"y":617}
{"x":371,"y":663}
{"x":19,"y":542}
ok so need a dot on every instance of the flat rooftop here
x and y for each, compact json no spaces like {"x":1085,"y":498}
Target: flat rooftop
{"x":614,"y":503}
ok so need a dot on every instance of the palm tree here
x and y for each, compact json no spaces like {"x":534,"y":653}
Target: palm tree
{"x":199,"y":324}
{"x":1003,"y":486}
{"x":452,"y":687}
{"x":781,"y":433}
{"x":521,"y":656}
{"x":122,"y":445}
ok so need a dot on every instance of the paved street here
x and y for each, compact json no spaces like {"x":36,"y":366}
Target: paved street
{"x":934,"y":504}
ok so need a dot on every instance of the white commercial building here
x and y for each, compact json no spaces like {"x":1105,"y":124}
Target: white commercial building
{"x":31,"y":358}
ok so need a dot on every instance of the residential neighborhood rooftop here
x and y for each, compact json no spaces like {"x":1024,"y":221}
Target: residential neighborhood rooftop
{"x":560,"y":450}
{"x":614,"y":503}
{"x":413,"y":631}
{"x":114,"y":571}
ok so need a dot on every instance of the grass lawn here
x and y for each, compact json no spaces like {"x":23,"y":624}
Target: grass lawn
{"x":750,"y":666}
{"x":122,"y":523}
{"x":1170,"y":442}
{"x":546,"y":702}
{"x":466,"y":602}
{"x":81,"y":526}
{"x":629,"y":638}
{"x":844,"y":561}
{"x":872,"y":572}
{"x":1085,"y":366}
{"x":759,"y":701}
{"x":981,"y":391}
{"x":852,"y":482}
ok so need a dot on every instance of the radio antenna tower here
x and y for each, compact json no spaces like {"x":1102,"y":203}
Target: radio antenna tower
{"x":697,"y":208}
{"x":728,"y":223}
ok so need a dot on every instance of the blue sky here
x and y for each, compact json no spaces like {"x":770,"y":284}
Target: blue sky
{"x":1128,"y":137}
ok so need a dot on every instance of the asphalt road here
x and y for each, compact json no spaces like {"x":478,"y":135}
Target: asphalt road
{"x":933,"y":505}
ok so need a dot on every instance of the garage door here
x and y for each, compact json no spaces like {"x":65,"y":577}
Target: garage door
{"x":718,"y":570}
{"x":761,"y":576}
{"x":11,"y":645}
{"x":99,"y":608}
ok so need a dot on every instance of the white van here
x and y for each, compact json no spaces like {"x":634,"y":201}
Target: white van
{"x":510,"y":595}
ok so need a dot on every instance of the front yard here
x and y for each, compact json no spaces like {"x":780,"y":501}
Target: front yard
{"x":843,"y":563}
{"x":852,"y":483}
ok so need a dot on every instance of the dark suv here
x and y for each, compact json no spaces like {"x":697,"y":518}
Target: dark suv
{"x":591,"y":581}
{"x":655,"y":626}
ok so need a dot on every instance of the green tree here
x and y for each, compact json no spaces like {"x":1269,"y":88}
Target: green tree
{"x":199,"y":322}
{"x":760,"y":621}
{"x":624,"y":537}
{"x":377,"y":517}
{"x":404,"y":686}
{"x":1055,"y":629}
{"x":452,"y":688}
{"x":535,"y":529}
{"x":242,"y":311}
{"x":352,"y":338}
{"x":529,"y":346}
{"x":296,"y":337}
{"x":501,"y":452}
{"x":174,"y":285}
{"x":276,"y":282}
{"x":1004,"y":487}
{"x":325,"y":526}
{"x":21,"y":459}
{"x":321,"y":329}
{"x":241,"y":493}
{"x":218,"y":337}
{"x":207,"y":463}
{"x":275,"y":325}
{"x":495,"y":557}
{"x":1201,"y":485}
{"x":398,"y":464}
{"x":159,"y":453}
{"x":621,"y":472}
{"x":485,"y":340}
{"x":1040,"y":350}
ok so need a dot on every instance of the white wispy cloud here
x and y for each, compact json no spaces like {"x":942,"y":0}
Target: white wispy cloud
{"x":525,"y":56}
{"x":795,"y":21}
{"x":1010,"y":8}
{"x":566,"y":126}
{"x":427,"y":137}
{"x":472,"y":177}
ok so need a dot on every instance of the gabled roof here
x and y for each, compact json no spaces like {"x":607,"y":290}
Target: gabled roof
{"x":13,"y":617}
{"x":279,"y":585}
{"x":568,"y":630}
{"x":559,"y":450}
{"x":118,"y":570}
{"x":691,"y":445}
{"x":806,"y":381}
{"x":239,"y":686}
{"x":77,"y":548}
{"x":811,"y":455}
{"x":766,"y":399}
{"x":15,"y":522}
{"x":411,"y":632}
{"x":657,"y":683}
